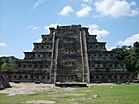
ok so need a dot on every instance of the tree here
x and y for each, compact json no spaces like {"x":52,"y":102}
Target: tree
{"x":130,"y":54}
{"x":6,"y":66}
{"x":8,"y":63}
{"x":136,"y":49}
{"x":121,"y":52}
{"x":136,"y":46}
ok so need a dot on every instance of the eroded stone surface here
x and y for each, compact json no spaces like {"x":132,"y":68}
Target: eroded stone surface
{"x":70,"y":54}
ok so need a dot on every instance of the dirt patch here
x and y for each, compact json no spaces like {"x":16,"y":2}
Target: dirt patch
{"x":26,"y":88}
{"x":40,"y":102}
{"x":69,"y":89}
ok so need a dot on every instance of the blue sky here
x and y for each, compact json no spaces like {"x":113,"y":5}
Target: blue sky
{"x":23,"y":21}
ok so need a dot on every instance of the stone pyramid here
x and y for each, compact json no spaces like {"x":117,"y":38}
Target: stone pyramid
{"x":3,"y":82}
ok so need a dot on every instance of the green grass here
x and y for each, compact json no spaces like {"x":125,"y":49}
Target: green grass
{"x":118,"y":94}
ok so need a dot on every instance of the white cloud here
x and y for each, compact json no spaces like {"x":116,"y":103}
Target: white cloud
{"x":32,"y":27}
{"x":3,"y":45}
{"x":66,"y":10}
{"x":109,"y":48}
{"x":36,"y":28}
{"x":38,"y":3}
{"x":84,"y":11}
{"x":129,"y":41}
{"x":95,"y":30}
{"x":46,"y":28}
{"x":116,"y":8}
{"x":88,"y":1}
{"x":39,"y":40}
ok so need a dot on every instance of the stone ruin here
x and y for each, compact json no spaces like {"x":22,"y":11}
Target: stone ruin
{"x":3,"y":82}
{"x":70,"y":54}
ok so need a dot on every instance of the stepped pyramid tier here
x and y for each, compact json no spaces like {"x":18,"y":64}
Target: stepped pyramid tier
{"x":70,"y":54}
{"x":3,"y":82}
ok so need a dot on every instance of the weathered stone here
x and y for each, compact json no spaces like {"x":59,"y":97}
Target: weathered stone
{"x":71,"y":54}
{"x":3,"y":82}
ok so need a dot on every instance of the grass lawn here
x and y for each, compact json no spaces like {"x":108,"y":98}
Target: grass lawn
{"x":115,"y":94}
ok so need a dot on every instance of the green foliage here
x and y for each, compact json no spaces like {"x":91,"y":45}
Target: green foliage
{"x":5,"y":66}
{"x":7,"y":59}
{"x":8,"y":66}
{"x":130,"y":54}
{"x":8,"y":63}
{"x":121,"y":52}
